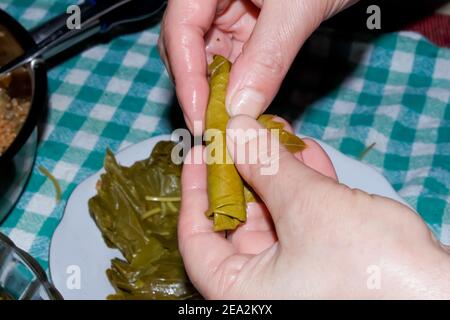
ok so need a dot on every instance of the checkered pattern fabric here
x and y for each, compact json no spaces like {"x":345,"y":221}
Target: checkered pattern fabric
{"x":396,"y":94}
{"x":110,"y":96}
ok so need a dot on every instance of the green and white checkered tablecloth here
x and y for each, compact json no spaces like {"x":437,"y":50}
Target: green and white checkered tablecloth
{"x":111,"y":95}
{"x":396,"y":93}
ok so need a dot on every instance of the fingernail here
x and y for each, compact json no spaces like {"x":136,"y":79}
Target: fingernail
{"x":246,"y":101}
{"x":188,"y":122}
{"x":198,"y":127}
{"x":243,"y":122}
{"x":240,"y":130}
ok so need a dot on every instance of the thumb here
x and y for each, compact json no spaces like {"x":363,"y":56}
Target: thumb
{"x":273,"y":172}
{"x":258,"y":72}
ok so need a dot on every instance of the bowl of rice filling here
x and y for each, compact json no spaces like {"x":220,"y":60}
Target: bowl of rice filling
{"x":23,"y":95}
{"x":13,"y":109}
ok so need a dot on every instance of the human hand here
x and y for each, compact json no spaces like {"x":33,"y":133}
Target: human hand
{"x":261,"y":37}
{"x":312,"y":237}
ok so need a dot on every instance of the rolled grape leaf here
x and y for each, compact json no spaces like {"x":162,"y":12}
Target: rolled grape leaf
{"x":226,"y":191}
{"x":292,"y":143}
{"x":225,"y":187}
{"x":136,"y":209}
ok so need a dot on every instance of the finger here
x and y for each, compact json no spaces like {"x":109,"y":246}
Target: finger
{"x":274,"y":169}
{"x":186,"y":23}
{"x":163,"y":54}
{"x":202,"y":249}
{"x":231,"y":14}
{"x":277,"y":37}
{"x":222,"y":6}
{"x":231,"y":28}
{"x":239,"y":19}
{"x":218,"y":43}
{"x":446,"y":248}
{"x":316,"y":158}
{"x":257,"y":233}
{"x":288,"y":128}
{"x":313,"y":156}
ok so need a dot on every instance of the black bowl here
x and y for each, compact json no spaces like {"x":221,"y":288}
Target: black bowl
{"x":16,"y":162}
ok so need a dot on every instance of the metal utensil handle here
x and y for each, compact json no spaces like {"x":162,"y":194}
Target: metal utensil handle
{"x":45,"y":31}
{"x":97,"y":16}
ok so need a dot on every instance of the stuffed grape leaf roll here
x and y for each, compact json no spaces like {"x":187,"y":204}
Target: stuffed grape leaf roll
{"x":227,"y":192}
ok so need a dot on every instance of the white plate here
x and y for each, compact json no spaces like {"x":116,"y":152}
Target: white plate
{"x":79,"y":256}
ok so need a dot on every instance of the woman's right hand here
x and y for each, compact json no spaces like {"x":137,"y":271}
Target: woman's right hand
{"x":310,"y":238}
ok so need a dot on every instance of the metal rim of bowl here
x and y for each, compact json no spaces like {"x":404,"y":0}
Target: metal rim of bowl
{"x":39,"y":87}
{"x":34,"y":266}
